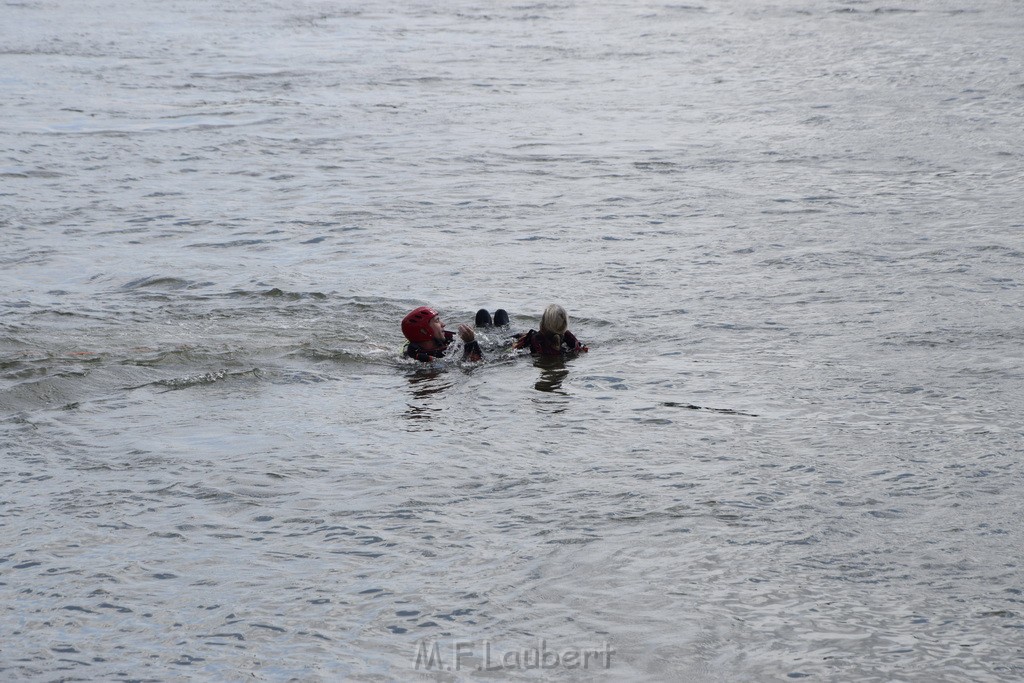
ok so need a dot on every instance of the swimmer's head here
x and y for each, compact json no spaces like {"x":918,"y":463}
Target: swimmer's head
{"x":554,"y":320}
{"x":417,"y":327}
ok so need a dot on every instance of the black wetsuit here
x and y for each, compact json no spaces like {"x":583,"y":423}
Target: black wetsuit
{"x":416,"y":352}
{"x":544,"y":345}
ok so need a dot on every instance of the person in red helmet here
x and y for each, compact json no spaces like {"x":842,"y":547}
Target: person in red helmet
{"x":428,"y":340}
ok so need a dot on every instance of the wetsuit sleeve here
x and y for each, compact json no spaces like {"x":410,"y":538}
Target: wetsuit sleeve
{"x":416,"y":352}
{"x":472,"y":351}
{"x":574,"y":344}
{"x":523,"y":340}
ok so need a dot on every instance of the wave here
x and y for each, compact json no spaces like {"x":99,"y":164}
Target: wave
{"x":178,"y":383}
{"x":129,"y":126}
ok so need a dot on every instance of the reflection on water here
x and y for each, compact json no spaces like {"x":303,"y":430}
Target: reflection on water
{"x":425,"y":384}
{"x":552,"y":372}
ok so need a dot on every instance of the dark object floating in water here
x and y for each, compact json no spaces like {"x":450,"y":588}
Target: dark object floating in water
{"x":690,"y":406}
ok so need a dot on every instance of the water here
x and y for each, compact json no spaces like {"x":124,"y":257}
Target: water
{"x":790,"y":234}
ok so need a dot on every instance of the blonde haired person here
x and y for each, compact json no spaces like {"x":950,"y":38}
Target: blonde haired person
{"x":554,"y":337}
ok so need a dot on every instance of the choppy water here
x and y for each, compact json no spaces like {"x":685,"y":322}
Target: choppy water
{"x":791,"y":234}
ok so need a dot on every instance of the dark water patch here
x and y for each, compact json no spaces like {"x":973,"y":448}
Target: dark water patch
{"x":685,"y":8}
{"x":123,"y":128}
{"x":162,"y":282}
{"x":151,"y":219}
{"x":78,"y":608}
{"x":66,"y":313}
{"x":276,"y":293}
{"x":293,"y":296}
{"x":20,"y":172}
{"x":1002,"y":249}
{"x":229,"y":244}
{"x":690,"y":406}
{"x":64,"y":649}
{"x":787,"y":212}
{"x":230,"y":635}
{"x":27,"y":565}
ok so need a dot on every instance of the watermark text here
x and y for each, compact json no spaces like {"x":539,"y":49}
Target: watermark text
{"x":483,"y":655}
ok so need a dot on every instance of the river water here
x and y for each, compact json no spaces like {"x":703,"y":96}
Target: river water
{"x":790,"y":232}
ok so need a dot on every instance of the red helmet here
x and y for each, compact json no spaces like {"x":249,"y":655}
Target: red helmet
{"x":415,"y":326}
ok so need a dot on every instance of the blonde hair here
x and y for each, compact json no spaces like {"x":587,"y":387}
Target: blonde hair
{"x":554,"y":322}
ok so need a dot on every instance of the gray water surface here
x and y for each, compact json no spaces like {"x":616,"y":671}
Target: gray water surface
{"x":791,"y":234}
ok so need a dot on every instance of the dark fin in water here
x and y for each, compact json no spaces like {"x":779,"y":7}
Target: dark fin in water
{"x":483,"y":318}
{"x":500,"y":318}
